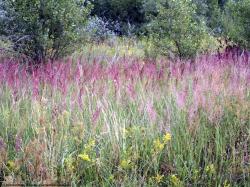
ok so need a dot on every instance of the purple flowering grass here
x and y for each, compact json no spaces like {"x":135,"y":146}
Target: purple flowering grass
{"x":209,"y":74}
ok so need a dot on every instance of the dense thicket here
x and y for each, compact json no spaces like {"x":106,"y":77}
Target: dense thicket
{"x":138,"y":12}
{"x":177,"y":30}
{"x":43,"y":29}
{"x":50,"y":29}
{"x":237,"y":22}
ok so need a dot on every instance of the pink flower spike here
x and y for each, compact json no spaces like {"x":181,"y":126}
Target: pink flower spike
{"x":151,"y":111}
{"x":96,"y":115}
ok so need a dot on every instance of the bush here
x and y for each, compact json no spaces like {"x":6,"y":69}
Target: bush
{"x":44,"y":29}
{"x":5,"y":48}
{"x":236,"y":21}
{"x":177,"y":30}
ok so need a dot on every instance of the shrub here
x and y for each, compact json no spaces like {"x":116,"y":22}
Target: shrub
{"x":5,"y":48}
{"x":177,"y":30}
{"x":236,"y":22}
{"x":44,"y":29}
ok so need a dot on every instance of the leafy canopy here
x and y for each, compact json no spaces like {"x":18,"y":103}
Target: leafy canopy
{"x":177,"y":29}
{"x":43,"y":29}
{"x":237,"y":22}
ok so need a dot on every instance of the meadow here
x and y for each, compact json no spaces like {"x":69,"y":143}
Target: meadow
{"x":126,"y":121}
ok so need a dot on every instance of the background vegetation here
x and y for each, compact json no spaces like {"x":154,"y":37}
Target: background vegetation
{"x":44,"y":30}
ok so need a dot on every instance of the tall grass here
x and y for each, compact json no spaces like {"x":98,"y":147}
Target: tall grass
{"x":128,"y":123}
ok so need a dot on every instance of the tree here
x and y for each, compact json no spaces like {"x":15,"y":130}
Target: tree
{"x":237,"y":22}
{"x":211,"y":11}
{"x":44,"y":29}
{"x":177,"y":29}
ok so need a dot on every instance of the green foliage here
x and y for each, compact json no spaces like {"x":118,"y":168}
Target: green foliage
{"x":214,"y":15}
{"x":52,"y":29}
{"x":177,"y":30}
{"x":237,"y":22}
{"x":129,"y":14}
{"x":211,"y":11}
{"x":44,"y":29}
{"x":6,"y":48}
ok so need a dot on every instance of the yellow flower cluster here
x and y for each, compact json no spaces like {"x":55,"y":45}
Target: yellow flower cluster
{"x":175,"y":180}
{"x":159,"y":145}
{"x":87,"y":149}
{"x":125,"y":164}
{"x":210,"y":169}
{"x":11,"y":165}
{"x":158,"y":178}
{"x":84,"y":157}
{"x":69,"y":163}
{"x":226,"y":184}
{"x":167,"y":137}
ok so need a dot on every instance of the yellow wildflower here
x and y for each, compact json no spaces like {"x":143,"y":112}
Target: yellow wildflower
{"x":226,"y":184}
{"x":111,"y":177}
{"x":90,"y":145}
{"x":167,"y":137}
{"x":11,"y":165}
{"x":69,"y":163}
{"x":210,"y":169}
{"x":175,"y":180}
{"x":158,"y":178}
{"x":125,"y":164}
{"x":158,"y":146}
{"x":84,"y":157}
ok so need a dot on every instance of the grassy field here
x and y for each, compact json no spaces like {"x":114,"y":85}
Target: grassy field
{"x":126,"y":121}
